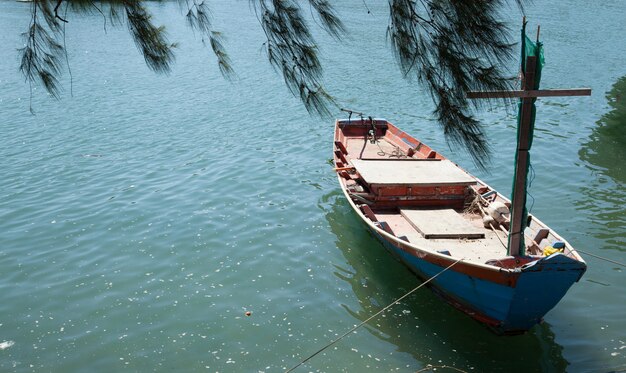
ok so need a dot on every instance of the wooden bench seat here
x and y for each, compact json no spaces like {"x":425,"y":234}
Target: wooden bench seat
{"x":421,"y":173}
{"x":441,"y":223}
{"x":415,"y":183}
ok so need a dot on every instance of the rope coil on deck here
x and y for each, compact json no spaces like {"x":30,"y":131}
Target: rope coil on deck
{"x":374,"y":315}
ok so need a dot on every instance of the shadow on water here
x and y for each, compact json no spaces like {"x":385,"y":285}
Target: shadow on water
{"x":605,"y":155}
{"x":423,"y":326}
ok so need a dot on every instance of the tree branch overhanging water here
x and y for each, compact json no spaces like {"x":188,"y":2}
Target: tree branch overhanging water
{"x":450,"y":47}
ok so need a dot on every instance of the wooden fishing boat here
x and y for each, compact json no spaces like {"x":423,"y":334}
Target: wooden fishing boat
{"x":430,"y":213}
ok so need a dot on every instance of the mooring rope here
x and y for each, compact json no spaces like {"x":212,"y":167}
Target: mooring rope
{"x":602,"y":258}
{"x":373,"y":316}
{"x":435,"y":367}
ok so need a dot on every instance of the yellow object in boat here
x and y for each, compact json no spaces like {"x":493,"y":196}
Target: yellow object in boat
{"x":557,"y":247}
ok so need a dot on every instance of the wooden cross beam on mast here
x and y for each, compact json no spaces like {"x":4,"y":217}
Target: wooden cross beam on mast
{"x":527,"y":95}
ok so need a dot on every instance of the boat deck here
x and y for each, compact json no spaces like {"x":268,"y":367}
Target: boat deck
{"x":363,"y":149}
{"x":373,"y":161}
{"x":472,"y":249}
{"x":417,"y":195}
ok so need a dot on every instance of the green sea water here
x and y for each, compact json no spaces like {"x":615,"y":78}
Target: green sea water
{"x":142,"y":215}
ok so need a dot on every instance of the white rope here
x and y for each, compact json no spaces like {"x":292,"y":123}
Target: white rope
{"x":373,"y":316}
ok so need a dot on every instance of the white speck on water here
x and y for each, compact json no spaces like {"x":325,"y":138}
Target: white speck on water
{"x":6,"y":344}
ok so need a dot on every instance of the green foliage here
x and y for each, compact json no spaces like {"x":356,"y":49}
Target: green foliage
{"x":291,"y":48}
{"x":450,"y":46}
{"x":41,"y":53}
{"x":453,"y":47}
{"x":151,"y":40}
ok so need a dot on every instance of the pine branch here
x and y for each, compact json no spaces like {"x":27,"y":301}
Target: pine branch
{"x":291,"y":49}
{"x":150,"y":39}
{"x":198,"y":16}
{"x":450,"y":47}
{"x":41,"y":55}
{"x":453,"y":47}
{"x":56,"y":11}
{"x":330,"y":21}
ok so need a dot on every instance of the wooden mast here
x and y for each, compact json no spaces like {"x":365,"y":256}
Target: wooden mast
{"x":516,"y":228}
{"x":528,"y":94}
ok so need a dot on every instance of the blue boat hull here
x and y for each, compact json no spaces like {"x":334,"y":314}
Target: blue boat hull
{"x":506,"y":309}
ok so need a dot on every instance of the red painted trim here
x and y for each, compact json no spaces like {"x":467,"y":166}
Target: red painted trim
{"x":502,"y":277}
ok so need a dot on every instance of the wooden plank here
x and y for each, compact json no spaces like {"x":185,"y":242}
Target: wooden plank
{"x":412,"y":173}
{"x":384,"y":226}
{"x":532,"y":93}
{"x":369,"y":213}
{"x":541,"y":234}
{"x":340,"y":156}
{"x":441,"y":223}
{"x":341,"y":147}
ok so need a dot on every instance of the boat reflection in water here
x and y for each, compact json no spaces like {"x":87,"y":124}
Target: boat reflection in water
{"x":423,"y":326}
{"x":605,"y":155}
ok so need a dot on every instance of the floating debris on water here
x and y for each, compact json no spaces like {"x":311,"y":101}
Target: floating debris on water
{"x":6,"y":344}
